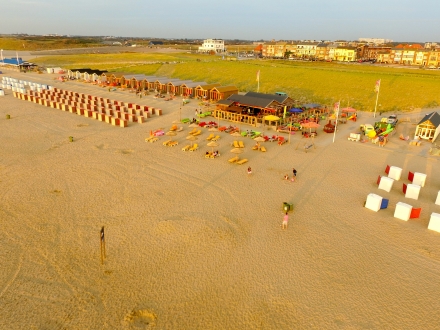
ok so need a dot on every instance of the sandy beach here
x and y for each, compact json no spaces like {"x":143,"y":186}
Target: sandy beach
{"x":195,"y":243}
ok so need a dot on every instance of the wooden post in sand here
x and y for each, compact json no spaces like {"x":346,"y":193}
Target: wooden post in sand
{"x":102,"y":241}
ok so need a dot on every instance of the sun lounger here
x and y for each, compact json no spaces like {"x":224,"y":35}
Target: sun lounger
{"x":216,"y":138}
{"x":194,"y":147}
{"x":173,"y":144}
{"x":185,"y":120}
{"x":241,"y":144}
{"x":222,"y":128}
{"x":165,"y":143}
{"x":236,"y":145}
{"x":193,"y":131}
{"x":241,"y":162}
{"x":234,"y":159}
{"x":149,"y":138}
{"x":173,"y":128}
{"x":210,"y":137}
{"x":186,"y":148}
{"x":154,"y":139}
{"x":263,"y":149}
{"x":197,"y":133}
{"x":180,"y":129}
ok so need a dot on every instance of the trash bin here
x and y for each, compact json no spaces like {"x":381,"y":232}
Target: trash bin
{"x":287,"y":207}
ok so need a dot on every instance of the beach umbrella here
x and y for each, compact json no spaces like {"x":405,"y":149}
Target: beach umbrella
{"x":212,"y":144}
{"x":237,"y":150}
{"x":348,"y":109}
{"x":191,"y":138}
{"x":259,"y":139}
{"x":310,"y":125}
{"x":295,"y":110}
{"x":193,"y":125}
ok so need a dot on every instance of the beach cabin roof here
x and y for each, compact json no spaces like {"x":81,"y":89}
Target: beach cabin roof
{"x":208,"y":86}
{"x":195,"y":84}
{"x":165,"y":80}
{"x":135,"y":76}
{"x":277,"y":97}
{"x":225,"y":102}
{"x":222,"y":89}
{"x":179,"y":83}
{"x":433,"y":118}
{"x":255,"y":101}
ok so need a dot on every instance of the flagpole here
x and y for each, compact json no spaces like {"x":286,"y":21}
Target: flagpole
{"x":336,"y":123}
{"x":377,"y":97}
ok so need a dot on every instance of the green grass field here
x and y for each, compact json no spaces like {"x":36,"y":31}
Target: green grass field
{"x":326,"y":83}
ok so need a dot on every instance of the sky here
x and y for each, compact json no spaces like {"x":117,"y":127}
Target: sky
{"x":398,"y":20}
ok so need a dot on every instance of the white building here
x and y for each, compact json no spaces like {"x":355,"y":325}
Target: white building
{"x":217,"y":45}
{"x":375,"y":41}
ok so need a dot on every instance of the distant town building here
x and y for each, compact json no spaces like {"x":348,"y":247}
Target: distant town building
{"x":216,"y":45}
{"x":375,"y":41}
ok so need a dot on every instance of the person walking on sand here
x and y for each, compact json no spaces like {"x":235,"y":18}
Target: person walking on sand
{"x":249,"y":170}
{"x":294,"y":175}
{"x":285,"y":221}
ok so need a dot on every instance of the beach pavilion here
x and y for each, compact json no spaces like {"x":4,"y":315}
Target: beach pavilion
{"x":429,"y":127}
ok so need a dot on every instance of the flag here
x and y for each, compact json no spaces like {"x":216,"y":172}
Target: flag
{"x":258,"y":75}
{"x":377,"y":86}
{"x":336,"y":109}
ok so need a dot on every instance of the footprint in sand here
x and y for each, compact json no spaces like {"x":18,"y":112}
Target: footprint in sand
{"x":82,"y":125}
{"x":101,"y":147}
{"x":126,"y":152}
{"x":56,"y":192}
{"x":141,"y":319}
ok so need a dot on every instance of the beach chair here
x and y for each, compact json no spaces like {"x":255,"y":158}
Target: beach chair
{"x":410,"y":176}
{"x":186,"y":148}
{"x":263,"y":149}
{"x":234,"y":159}
{"x":208,"y":155}
{"x":165,"y":143}
{"x":415,"y":213}
{"x":404,"y":188}
{"x":216,"y":138}
{"x":185,"y":121}
{"x":241,"y":144}
{"x":197,"y":133}
{"x":210,"y":137}
{"x":173,"y":144}
{"x":173,"y":128}
{"x":387,"y":169}
{"x":222,"y":128}
{"x":149,"y":138}
{"x":154,"y":139}
{"x":193,"y":131}
{"x":378,"y":180}
{"x":384,"y":203}
{"x":241,"y":162}
{"x":236,"y":145}
{"x":194,"y":147}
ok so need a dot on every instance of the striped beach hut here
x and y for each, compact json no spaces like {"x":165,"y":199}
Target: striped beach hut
{"x":222,"y":92}
{"x":203,"y":91}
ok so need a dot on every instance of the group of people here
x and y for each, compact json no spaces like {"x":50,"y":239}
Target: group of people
{"x":214,"y":153}
{"x":294,"y":172}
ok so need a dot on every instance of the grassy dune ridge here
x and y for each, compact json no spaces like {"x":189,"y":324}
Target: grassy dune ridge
{"x":352,"y":84}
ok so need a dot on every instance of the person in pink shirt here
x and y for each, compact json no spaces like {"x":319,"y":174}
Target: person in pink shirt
{"x":285,"y":220}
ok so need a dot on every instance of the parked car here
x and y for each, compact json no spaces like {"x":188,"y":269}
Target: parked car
{"x":392,"y":119}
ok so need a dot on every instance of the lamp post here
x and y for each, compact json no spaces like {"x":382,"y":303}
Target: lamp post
{"x":1,"y":51}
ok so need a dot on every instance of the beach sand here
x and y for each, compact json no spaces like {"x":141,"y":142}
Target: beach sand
{"x":195,"y":243}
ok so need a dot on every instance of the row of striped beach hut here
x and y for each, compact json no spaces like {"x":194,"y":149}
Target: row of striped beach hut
{"x":141,"y":82}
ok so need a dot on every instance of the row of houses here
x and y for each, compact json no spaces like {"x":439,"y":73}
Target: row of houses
{"x":405,"y":54}
{"x":165,"y":85}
